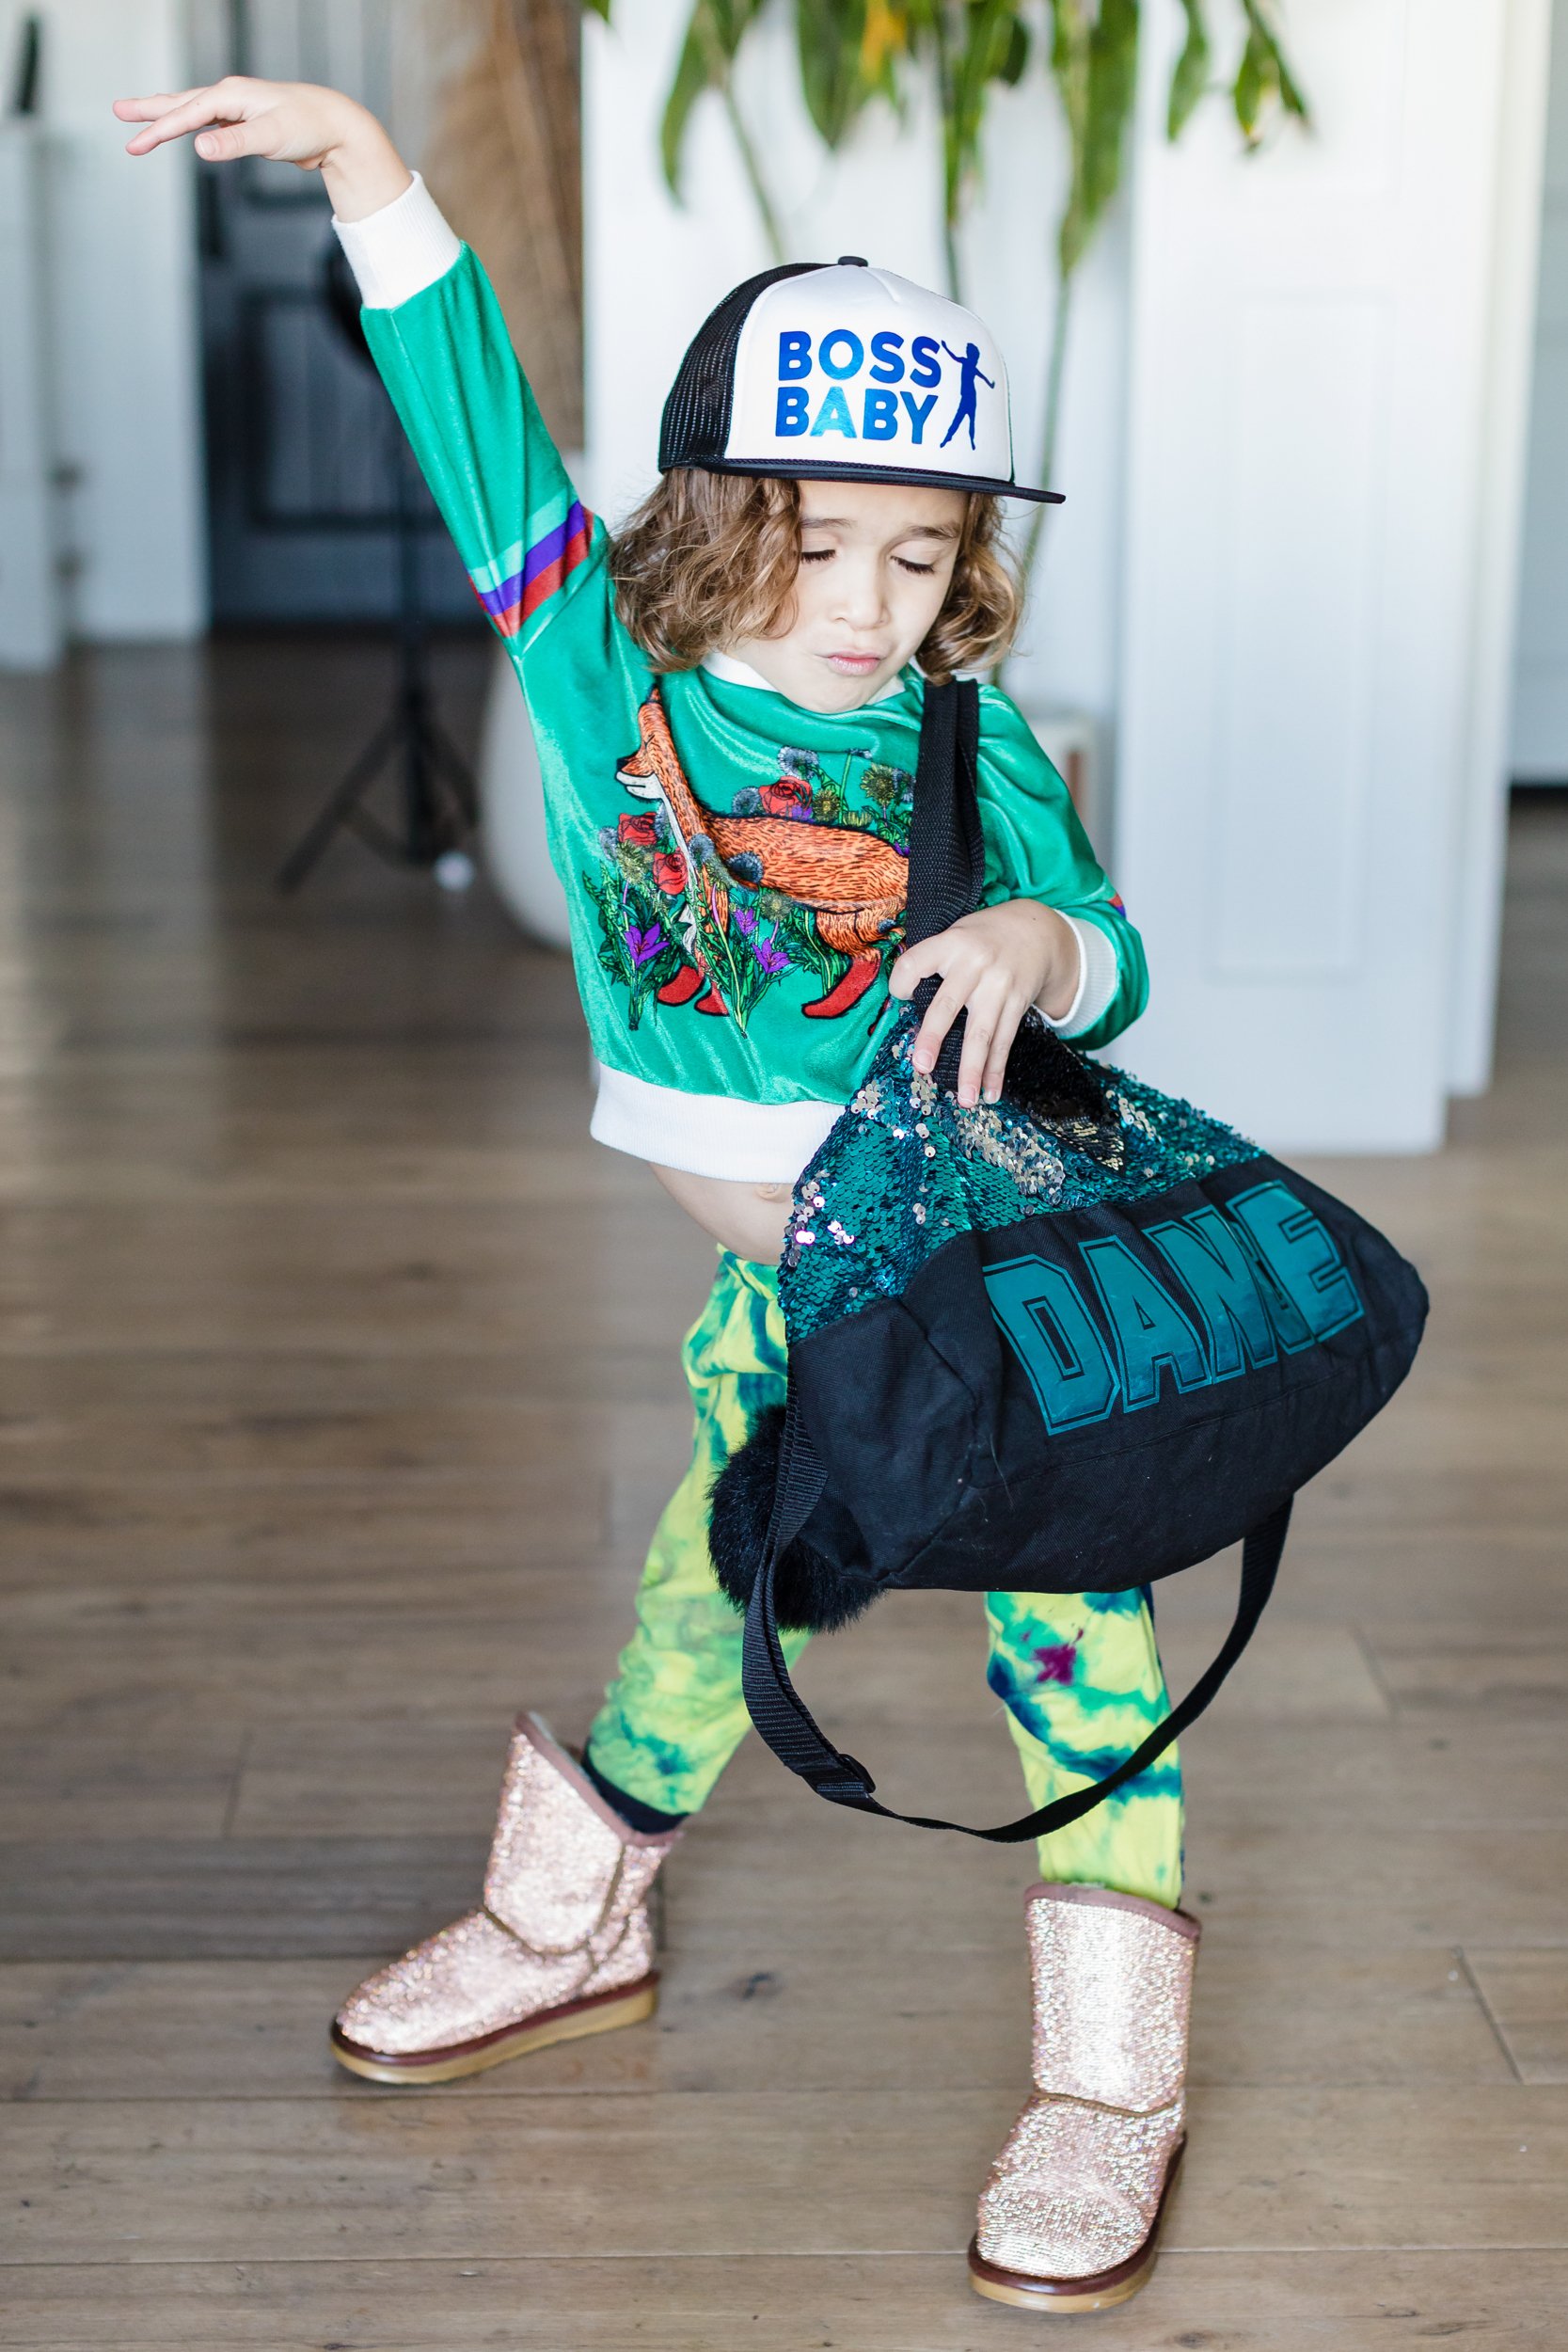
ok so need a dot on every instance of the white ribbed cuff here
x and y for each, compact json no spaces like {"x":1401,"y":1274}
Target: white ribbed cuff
{"x":1098,"y":976}
{"x":396,"y":253}
{"x":709,"y":1134}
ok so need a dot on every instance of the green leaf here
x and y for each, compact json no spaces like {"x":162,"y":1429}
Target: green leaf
{"x":829,"y":35}
{"x":990,"y":45}
{"x":1263,"y":77}
{"x":1096,"y":65}
{"x":1190,"y":79}
{"x":714,"y":33}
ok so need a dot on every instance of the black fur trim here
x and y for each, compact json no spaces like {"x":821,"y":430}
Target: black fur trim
{"x":810,"y":1593}
{"x":1048,"y":1079}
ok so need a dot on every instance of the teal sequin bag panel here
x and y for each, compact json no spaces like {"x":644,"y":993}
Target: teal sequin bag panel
{"x":907,"y":1167}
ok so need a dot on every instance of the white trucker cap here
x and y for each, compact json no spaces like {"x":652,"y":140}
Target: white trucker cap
{"x":827,"y":371}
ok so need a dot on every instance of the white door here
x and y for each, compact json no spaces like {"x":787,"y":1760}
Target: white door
{"x":1541,"y":679}
{"x":1313,"y":412}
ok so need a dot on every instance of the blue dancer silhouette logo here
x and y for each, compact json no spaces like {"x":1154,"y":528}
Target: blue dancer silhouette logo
{"x":970,"y":373}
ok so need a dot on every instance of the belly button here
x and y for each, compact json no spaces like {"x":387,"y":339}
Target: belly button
{"x":773,"y":1192}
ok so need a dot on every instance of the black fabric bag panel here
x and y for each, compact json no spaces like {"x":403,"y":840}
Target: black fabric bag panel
{"x":892,"y":1410}
{"x":1139,"y":1387}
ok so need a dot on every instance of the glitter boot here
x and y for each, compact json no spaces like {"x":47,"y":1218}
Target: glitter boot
{"x":560,"y":1945}
{"x":1071,"y":2212}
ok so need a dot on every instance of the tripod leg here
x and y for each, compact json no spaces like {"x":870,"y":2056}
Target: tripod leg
{"x":307,"y":851}
{"x":451,"y":763}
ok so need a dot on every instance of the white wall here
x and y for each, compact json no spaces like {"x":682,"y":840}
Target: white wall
{"x":124,"y":361}
{"x":1317,"y":344}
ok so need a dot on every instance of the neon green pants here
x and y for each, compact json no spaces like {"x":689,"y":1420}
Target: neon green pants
{"x":1078,"y":1674}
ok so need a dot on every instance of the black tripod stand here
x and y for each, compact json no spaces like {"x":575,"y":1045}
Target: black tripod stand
{"x":439,"y":804}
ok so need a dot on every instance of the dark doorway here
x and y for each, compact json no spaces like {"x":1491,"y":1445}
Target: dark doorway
{"x":301,"y":439}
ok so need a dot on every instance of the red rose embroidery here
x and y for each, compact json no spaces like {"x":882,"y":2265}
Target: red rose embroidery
{"x":639,"y":829}
{"x":787,"y":798}
{"x":670,"y":873}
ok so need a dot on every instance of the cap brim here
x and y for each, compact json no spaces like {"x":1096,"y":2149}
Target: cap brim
{"x":834,"y":470}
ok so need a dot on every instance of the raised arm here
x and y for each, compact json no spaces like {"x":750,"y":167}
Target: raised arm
{"x":437,"y":333}
{"x":288,"y":122}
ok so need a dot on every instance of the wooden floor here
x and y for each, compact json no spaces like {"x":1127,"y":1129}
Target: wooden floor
{"x":337,"y":1394}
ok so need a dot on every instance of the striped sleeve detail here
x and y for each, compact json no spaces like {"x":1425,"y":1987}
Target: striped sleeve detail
{"x":513,"y":590}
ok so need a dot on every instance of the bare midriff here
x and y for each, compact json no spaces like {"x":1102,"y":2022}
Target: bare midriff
{"x":748,"y":1219}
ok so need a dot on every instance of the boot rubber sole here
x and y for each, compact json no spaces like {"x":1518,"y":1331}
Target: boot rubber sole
{"x":1062,"y":2297}
{"x":602,"y":2014}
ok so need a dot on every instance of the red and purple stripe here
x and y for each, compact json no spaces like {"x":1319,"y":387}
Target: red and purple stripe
{"x":547,"y":566}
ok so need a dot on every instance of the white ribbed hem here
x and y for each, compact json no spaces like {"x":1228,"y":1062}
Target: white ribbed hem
{"x":396,"y":253}
{"x":1098,"y":976}
{"x":709,"y":1134}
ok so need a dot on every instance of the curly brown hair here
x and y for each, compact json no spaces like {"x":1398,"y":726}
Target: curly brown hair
{"x":711,"y":558}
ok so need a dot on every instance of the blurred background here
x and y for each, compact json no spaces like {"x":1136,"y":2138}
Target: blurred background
{"x":1305,"y":613}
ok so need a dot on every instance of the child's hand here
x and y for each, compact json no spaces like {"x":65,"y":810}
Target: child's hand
{"x":289,"y":122}
{"x":994,"y":964}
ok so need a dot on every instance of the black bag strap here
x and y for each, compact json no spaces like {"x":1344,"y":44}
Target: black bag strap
{"x":947,"y":855}
{"x":947,"y":851}
{"x":797,"y":1738}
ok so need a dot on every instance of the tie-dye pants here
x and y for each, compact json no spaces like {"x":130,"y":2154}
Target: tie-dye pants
{"x":1078,"y":1674}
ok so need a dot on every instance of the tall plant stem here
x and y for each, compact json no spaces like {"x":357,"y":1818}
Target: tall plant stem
{"x":949,"y":181}
{"x":722,"y":77}
{"x":772,"y":229}
{"x":1054,"y":373}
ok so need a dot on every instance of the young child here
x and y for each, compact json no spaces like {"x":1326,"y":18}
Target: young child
{"x":727,"y":702}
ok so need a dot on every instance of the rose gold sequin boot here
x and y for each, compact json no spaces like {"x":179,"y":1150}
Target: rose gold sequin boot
{"x":560,"y":1945}
{"x":1070,"y":2215}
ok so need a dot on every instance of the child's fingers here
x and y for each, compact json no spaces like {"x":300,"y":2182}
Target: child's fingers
{"x":915,"y":965}
{"x":940,"y":1013}
{"x":986,"y":1025}
{"x":1001,"y":1046}
{"x":198,"y":110}
{"x":187,"y":112}
{"x":149,"y":109}
{"x":225,"y":143}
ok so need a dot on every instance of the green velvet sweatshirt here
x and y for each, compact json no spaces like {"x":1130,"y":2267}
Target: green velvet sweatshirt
{"x":735,"y":865}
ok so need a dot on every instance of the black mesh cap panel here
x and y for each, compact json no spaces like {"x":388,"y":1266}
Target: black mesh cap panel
{"x":696,"y":421}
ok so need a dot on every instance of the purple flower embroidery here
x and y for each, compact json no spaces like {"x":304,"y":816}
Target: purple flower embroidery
{"x":771,"y":956}
{"x":643,"y":945}
{"x":745,"y":921}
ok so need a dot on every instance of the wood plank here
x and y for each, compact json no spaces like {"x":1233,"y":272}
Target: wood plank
{"x":1526,"y":1993}
{"x":814,"y":2017}
{"x":333,"y":1276}
{"x":1444,"y":1669}
{"x":1268,"y":2303}
{"x":173,"y":1778}
{"x":97,"y":1419}
{"x":643,"y":2174}
{"x":184,"y":1898}
{"x":157,"y":1536}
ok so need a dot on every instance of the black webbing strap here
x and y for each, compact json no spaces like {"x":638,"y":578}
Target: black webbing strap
{"x":796,"y":1737}
{"x":947,"y":851}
